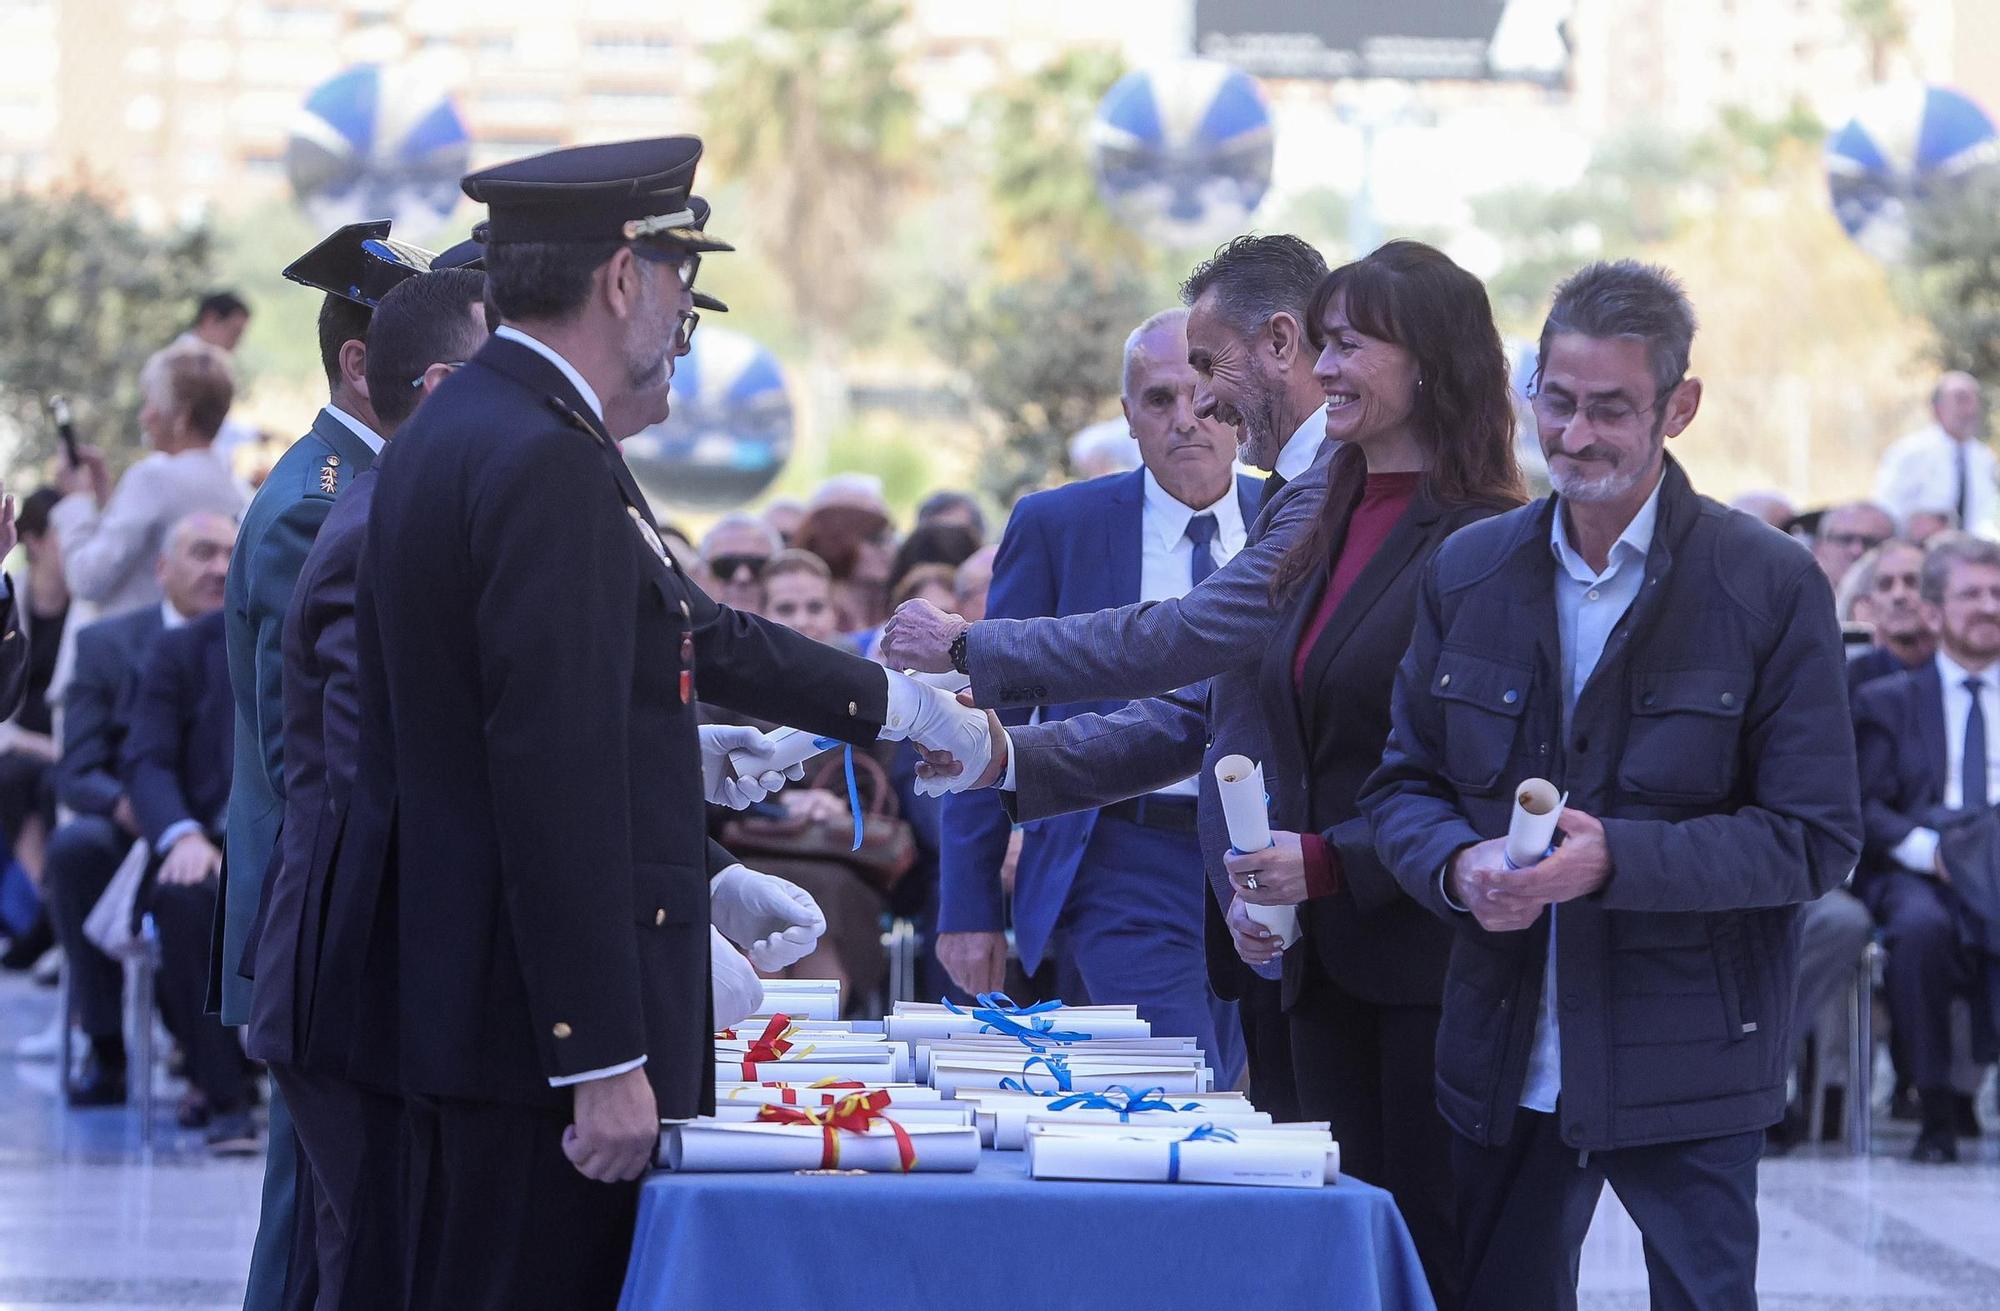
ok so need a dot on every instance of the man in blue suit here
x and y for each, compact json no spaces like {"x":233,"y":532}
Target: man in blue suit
{"x":355,"y":267}
{"x":1121,"y":886}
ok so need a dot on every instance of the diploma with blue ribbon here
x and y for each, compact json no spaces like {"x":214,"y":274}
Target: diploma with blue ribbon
{"x":1275,"y":1156}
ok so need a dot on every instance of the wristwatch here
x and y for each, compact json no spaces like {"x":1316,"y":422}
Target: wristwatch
{"x":958,"y":651}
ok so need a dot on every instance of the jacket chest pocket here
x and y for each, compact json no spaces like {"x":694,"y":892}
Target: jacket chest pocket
{"x":1684,"y":736}
{"x":1482,"y":700}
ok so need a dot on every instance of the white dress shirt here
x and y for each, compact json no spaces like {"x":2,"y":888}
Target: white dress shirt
{"x":549,"y":353}
{"x":1166,"y":569}
{"x":1589,"y":605}
{"x":1918,"y":851}
{"x":369,"y":437}
{"x":1302,"y":447}
{"x":1919,"y":475}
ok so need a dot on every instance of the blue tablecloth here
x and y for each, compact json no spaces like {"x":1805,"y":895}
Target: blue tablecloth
{"x":999,"y":1240}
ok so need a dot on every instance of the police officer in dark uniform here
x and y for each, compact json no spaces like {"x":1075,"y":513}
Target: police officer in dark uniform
{"x":530,"y":658}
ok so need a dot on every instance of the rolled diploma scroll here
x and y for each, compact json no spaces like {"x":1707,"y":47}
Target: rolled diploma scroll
{"x":1267,"y":1163}
{"x":1241,"y":784}
{"x":1537,"y":807}
{"x":702,"y":1145}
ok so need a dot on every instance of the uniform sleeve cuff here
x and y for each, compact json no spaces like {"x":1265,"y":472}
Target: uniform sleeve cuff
{"x":590,"y":1076}
{"x":1323,"y":869}
{"x":174,"y":833}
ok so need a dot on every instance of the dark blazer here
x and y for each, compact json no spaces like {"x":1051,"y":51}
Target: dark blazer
{"x":13,"y":652}
{"x":530,"y":657}
{"x":109,"y":655}
{"x":1709,"y":740}
{"x":1367,"y":938}
{"x":1070,"y":550}
{"x":1876,"y":662}
{"x":176,"y":754}
{"x":1900,"y":744}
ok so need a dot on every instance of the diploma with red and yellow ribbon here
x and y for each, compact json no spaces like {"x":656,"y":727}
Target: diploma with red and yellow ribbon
{"x":771,"y":1045}
{"x":854,"y":1113}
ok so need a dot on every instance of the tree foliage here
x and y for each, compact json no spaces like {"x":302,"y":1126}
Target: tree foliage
{"x":810,"y":115}
{"x":89,"y":295}
{"x":1043,"y":355}
{"x":1954,"y":274}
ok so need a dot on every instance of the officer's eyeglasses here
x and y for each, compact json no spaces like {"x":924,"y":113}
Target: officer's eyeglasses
{"x":684,"y":263}
{"x":418,"y":381}
{"x":685,"y":335}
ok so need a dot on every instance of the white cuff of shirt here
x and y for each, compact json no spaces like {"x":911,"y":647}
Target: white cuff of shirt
{"x":1444,"y":889}
{"x":1007,"y":779}
{"x":589,"y":1076}
{"x":1918,"y":851}
{"x":174,"y":833}
{"x":903,"y":701}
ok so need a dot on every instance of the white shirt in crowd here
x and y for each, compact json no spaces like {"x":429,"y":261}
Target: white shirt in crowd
{"x":1918,"y":851}
{"x":1302,"y":446}
{"x":1167,"y":554}
{"x":1919,"y":475}
{"x":109,"y":554}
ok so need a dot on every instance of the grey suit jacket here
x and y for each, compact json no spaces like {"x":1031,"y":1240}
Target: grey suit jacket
{"x":1217,"y":632}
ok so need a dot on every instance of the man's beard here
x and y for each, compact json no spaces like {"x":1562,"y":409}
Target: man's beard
{"x":1260,"y":441}
{"x":1617,"y":479}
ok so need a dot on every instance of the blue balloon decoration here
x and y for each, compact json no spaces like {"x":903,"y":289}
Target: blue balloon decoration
{"x":377,"y":142}
{"x":729,"y":430}
{"x":1906,"y":146}
{"x":1183,"y":151}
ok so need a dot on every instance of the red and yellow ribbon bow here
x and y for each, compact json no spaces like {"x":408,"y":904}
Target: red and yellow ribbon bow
{"x":772,"y":1044}
{"x":853,"y":1113}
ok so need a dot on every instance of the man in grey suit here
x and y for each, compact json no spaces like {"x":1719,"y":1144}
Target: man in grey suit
{"x":1247,"y":343}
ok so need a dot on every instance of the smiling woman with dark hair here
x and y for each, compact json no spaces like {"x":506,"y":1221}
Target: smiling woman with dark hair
{"x":1417,"y":391}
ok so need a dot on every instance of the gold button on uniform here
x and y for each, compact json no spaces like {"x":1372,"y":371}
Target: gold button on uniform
{"x":853,"y":709}
{"x":561,"y":1030}
{"x":659,"y":918}
{"x":685,"y":612}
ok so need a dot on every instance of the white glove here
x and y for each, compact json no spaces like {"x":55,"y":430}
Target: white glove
{"x":933,"y":719}
{"x":775,"y":922}
{"x":720,"y":782}
{"x":739,"y":993}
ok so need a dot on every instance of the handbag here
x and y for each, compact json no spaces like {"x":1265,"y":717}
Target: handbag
{"x":888,"y":848}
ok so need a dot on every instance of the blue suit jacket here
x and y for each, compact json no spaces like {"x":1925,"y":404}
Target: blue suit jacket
{"x":1068,"y":551}
{"x":97,"y":708}
{"x":278,"y":530}
{"x":176,"y":752}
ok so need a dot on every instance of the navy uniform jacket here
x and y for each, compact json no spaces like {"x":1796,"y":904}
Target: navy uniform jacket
{"x":530,"y":776}
{"x":177,"y":743}
{"x":278,"y":529}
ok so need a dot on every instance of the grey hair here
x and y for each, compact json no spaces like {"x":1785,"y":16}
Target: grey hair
{"x":1626,"y":299}
{"x":1860,"y":580}
{"x":1135,"y":344}
{"x":1825,"y":524}
{"x":741,"y":520}
{"x":1952,"y":549}
{"x":1255,"y":278}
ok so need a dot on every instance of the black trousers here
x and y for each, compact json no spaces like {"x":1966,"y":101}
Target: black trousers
{"x":1524,"y":1208}
{"x":503,"y":1221}
{"x":1372,"y":1071}
{"x":351,"y":1159}
{"x":1926,"y":968}
{"x":1267,"y":1045}
{"x":82,"y":856}
{"x":185,"y":918}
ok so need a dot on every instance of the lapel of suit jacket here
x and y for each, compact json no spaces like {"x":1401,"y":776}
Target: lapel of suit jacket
{"x":344,"y":441}
{"x":1124,"y":529}
{"x":1406,"y":540}
{"x":1930,"y":722}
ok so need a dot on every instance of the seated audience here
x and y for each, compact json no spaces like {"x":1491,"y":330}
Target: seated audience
{"x":785,"y":515}
{"x":1845,"y":533}
{"x":27,"y":741}
{"x":848,"y":527}
{"x":86,"y":851}
{"x":973,"y":582}
{"x":1881,"y":591}
{"x":956,"y":508}
{"x":1929,"y":743}
{"x":935,"y":583}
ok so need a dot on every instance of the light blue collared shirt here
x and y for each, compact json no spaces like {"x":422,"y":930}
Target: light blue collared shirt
{"x":1588,"y":606}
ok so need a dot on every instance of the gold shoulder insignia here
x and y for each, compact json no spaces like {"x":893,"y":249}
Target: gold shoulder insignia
{"x":329,"y":475}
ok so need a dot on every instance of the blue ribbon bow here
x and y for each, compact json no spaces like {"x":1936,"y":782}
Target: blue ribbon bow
{"x":998,"y":1013}
{"x":1137,"y":1101}
{"x":1057,"y":1067}
{"x":1203,"y":1133}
